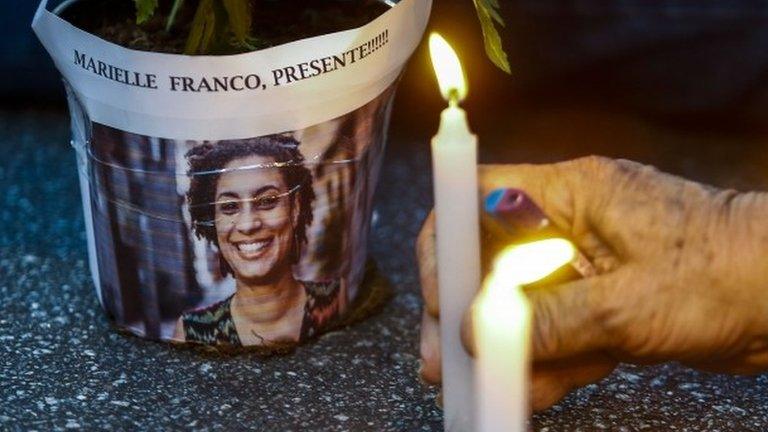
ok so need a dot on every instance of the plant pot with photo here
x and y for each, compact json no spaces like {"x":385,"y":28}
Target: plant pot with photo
{"x":228,"y":151}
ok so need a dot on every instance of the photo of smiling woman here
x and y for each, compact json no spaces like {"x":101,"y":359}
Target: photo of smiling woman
{"x":252,"y":200}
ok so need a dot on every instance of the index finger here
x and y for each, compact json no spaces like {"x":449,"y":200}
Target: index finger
{"x":571,"y":194}
{"x":549,"y":186}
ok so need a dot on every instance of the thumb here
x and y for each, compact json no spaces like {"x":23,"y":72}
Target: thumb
{"x":573,"y":318}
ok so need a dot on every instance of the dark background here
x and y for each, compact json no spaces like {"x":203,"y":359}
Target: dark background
{"x":677,"y":84}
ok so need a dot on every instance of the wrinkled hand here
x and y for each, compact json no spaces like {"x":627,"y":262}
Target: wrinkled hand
{"x":682,"y":275}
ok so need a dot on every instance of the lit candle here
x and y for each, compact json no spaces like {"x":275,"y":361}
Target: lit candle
{"x":454,"y":162}
{"x":502,"y":325}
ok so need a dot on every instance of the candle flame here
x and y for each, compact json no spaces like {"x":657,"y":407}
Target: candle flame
{"x":526,"y":263}
{"x":450,"y":75}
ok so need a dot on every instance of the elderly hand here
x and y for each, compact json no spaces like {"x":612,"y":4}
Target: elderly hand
{"x":682,"y":274}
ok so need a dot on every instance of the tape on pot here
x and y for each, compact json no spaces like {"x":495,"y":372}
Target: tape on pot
{"x":228,"y":198}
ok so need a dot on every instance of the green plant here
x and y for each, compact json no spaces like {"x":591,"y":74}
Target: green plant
{"x":226,"y":24}
{"x":488,"y":13}
{"x":216,"y":24}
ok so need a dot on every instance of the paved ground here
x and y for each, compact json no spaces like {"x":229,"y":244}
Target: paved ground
{"x":62,"y":366}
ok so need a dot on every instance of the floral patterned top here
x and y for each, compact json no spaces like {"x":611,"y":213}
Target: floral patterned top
{"x":213,"y":325}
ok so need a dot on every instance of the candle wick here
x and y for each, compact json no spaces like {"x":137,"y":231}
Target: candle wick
{"x":453,"y":97}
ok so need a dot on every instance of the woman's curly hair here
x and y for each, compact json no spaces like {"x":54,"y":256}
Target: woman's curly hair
{"x":207,"y":161}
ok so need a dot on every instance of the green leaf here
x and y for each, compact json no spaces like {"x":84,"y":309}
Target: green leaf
{"x":492,"y":6}
{"x":203,"y":29}
{"x":488,"y":13}
{"x":177,"y":4}
{"x":144,"y":10}
{"x":239,"y":17}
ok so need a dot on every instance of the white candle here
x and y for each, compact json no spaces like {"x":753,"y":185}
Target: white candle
{"x":502,"y":325}
{"x":454,"y":162}
{"x":503,"y":314}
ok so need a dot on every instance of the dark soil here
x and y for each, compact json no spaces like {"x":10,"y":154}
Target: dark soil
{"x":275,"y":22}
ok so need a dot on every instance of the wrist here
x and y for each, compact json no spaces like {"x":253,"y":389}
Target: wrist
{"x":745,"y":244}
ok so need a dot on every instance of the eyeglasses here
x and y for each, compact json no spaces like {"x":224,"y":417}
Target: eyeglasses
{"x":232,"y":206}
